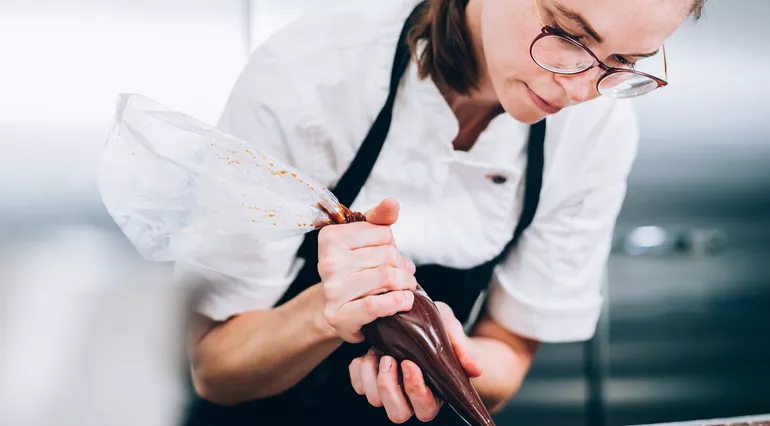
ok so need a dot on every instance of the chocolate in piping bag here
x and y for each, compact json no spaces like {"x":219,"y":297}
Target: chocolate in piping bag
{"x":419,"y":335}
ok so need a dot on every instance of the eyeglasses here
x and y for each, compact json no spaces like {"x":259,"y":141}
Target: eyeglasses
{"x":558,"y":53}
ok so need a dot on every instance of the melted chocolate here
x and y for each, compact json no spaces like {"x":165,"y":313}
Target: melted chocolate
{"x":419,"y":336}
{"x":345,"y":215}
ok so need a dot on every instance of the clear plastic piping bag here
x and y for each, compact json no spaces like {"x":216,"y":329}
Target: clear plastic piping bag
{"x":177,"y":187}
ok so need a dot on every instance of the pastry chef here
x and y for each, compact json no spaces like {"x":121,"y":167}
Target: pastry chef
{"x":489,"y":143}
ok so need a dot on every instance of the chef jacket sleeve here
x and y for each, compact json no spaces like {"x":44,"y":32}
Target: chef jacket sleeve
{"x":550,"y":286}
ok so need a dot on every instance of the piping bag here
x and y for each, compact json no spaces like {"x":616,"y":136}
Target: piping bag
{"x":179,"y":188}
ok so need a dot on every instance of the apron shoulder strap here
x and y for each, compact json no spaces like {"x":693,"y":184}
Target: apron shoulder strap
{"x":533,"y":179}
{"x":354,"y":178}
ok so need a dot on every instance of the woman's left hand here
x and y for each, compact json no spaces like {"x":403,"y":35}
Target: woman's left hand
{"x":379,"y":380}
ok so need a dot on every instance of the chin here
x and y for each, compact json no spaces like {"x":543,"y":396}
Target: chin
{"x":515,"y":101}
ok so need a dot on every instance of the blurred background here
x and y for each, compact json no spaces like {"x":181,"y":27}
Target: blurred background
{"x":90,"y":334}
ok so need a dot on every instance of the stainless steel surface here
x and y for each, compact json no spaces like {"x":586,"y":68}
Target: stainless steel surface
{"x":745,"y":420}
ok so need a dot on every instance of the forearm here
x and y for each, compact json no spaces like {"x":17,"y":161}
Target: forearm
{"x":505,"y":359}
{"x":260,"y":354}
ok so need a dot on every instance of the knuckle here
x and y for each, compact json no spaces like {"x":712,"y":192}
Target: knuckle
{"x":329,"y":265}
{"x":410,"y":282}
{"x":324,"y":237}
{"x":399,"y":417}
{"x":331,"y":292}
{"x":397,"y":298}
{"x":383,"y":383}
{"x":370,"y":304}
{"x":395,"y":278}
{"x":392,"y":257}
{"x":411,"y":388}
{"x":394,"y":303}
{"x":369,"y":362}
{"x":374,"y":401}
{"x":426,"y":416}
{"x":386,"y":275}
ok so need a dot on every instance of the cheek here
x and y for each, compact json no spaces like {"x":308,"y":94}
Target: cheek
{"x":506,"y":50}
{"x":506,"y":41}
{"x":508,"y":28}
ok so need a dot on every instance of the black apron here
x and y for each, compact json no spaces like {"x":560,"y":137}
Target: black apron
{"x":326,"y":395}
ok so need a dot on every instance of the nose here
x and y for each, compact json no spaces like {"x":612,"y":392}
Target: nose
{"x":578,"y":86}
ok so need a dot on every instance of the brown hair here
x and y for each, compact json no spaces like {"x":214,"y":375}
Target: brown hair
{"x":697,"y":9}
{"x":449,"y":57}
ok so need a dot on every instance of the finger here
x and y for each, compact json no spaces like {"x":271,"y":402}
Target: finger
{"x":369,"y":371}
{"x":393,"y":398}
{"x":373,"y":257}
{"x":460,"y":341}
{"x":363,"y":311}
{"x":424,"y":403}
{"x":385,"y":213}
{"x":355,"y":376}
{"x":351,"y":236}
{"x":375,"y":281}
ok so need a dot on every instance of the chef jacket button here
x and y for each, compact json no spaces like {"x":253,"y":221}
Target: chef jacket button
{"x":498,"y":179}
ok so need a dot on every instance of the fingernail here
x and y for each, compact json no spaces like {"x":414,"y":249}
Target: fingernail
{"x":409,"y":296}
{"x":405,"y":372}
{"x":410,"y":264}
{"x":385,"y":363}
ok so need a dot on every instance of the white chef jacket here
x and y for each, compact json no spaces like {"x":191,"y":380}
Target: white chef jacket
{"x":309,"y":95}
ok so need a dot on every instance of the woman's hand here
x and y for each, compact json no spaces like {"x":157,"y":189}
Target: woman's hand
{"x":379,"y":379}
{"x":362,"y":273}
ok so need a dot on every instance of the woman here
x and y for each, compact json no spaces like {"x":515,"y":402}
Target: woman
{"x":429,"y":103}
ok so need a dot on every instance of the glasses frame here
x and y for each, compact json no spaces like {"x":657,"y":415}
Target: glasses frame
{"x":548,"y":31}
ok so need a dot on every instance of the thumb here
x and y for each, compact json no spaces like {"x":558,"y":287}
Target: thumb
{"x":460,"y":341}
{"x":385,"y":213}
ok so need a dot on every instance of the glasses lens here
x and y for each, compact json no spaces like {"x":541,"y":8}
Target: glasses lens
{"x":626,"y":85}
{"x":560,"y":55}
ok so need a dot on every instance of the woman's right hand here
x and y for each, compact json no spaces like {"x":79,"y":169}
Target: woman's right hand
{"x":363,"y":275}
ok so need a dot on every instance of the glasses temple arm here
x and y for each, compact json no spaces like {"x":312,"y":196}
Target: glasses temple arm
{"x":537,"y":9}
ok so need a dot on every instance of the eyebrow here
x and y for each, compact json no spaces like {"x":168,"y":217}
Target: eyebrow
{"x":578,"y":19}
{"x":642,"y":55}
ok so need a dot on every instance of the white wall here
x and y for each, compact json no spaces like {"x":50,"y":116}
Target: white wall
{"x":63,"y":62}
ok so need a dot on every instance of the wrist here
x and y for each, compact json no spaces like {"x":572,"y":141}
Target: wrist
{"x":320,"y":326}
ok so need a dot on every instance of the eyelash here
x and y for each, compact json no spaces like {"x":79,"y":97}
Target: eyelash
{"x":561,"y":30}
{"x":621,"y":60}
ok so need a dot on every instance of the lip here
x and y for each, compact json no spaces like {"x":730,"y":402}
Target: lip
{"x":541,"y":103}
